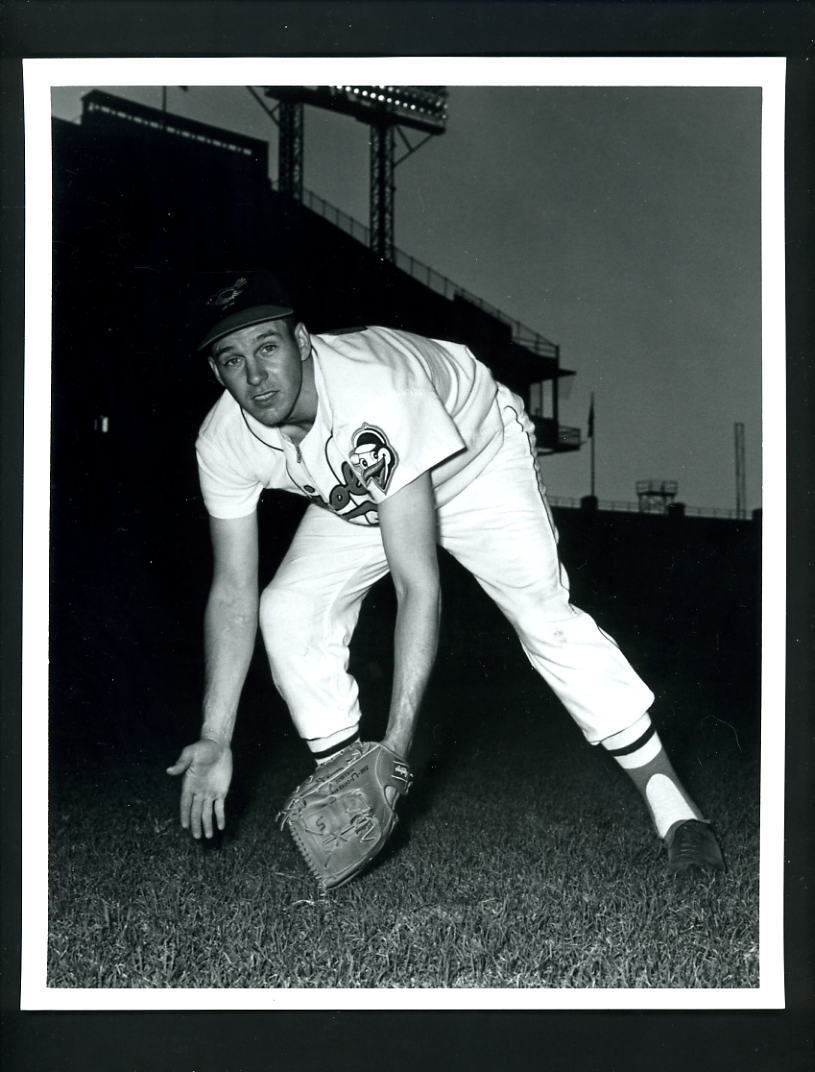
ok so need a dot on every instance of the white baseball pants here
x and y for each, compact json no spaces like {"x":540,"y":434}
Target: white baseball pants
{"x":500,"y":528}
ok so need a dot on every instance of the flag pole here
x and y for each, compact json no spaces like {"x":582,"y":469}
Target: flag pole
{"x":592,"y":438}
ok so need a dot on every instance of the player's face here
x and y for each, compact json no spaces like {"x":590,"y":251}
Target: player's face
{"x":262,"y":368}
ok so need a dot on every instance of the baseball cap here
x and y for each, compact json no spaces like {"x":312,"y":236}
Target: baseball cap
{"x":228,"y":301}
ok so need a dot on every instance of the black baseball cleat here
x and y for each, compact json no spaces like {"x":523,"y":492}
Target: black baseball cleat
{"x":692,"y":844}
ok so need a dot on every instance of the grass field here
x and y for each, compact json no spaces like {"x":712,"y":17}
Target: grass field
{"x":523,"y":859}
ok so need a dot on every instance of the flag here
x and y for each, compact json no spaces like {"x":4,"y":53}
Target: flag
{"x":590,"y":434}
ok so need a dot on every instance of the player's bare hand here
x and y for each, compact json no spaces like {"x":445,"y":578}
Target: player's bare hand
{"x":207,"y":769}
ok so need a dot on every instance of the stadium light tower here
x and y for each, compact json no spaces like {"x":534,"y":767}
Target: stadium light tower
{"x":388,"y":111}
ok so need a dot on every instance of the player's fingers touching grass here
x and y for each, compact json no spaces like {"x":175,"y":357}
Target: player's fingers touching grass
{"x":202,"y":812}
{"x":186,"y":806}
{"x":200,"y":817}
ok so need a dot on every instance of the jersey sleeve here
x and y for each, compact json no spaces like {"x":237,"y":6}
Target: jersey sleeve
{"x":228,"y":492}
{"x":408,"y":433}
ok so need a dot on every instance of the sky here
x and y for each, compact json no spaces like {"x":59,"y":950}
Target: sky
{"x":621,"y":223}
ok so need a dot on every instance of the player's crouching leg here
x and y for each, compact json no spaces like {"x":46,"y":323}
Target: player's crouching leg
{"x":599,"y":687}
{"x":308,"y":659}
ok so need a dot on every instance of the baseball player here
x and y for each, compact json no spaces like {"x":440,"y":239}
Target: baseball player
{"x":400,"y":443}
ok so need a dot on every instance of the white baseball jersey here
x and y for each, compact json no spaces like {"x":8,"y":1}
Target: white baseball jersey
{"x":391,"y":406}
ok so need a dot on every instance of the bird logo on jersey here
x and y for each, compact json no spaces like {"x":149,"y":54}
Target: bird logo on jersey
{"x":373,"y":456}
{"x":229,"y":295}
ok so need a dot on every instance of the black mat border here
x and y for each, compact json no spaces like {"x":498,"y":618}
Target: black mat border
{"x":607,"y":1041}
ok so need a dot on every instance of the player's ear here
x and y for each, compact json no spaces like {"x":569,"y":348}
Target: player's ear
{"x":303,"y":340}
{"x":216,"y":372}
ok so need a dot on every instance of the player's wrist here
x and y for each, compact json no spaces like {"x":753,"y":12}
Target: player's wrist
{"x":221,"y":739}
{"x":217,"y":724}
{"x":399,"y":744}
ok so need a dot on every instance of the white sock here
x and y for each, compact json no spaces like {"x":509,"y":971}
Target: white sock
{"x":639,"y":751}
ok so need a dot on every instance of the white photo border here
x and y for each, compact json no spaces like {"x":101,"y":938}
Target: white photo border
{"x":40,"y":76}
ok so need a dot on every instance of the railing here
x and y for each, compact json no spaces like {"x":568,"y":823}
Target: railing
{"x":521,"y":334}
{"x":423,"y":273}
{"x":336,"y":216}
{"x":617,"y":506}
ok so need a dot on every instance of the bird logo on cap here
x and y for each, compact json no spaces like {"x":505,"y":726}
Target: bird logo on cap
{"x":229,"y":295}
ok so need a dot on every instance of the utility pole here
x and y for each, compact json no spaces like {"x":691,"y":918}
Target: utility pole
{"x":741,"y":485}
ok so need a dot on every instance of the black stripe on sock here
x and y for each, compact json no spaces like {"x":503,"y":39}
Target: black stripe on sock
{"x":629,"y":748}
{"x":327,"y":752}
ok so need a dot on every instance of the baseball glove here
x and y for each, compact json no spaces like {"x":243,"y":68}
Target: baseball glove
{"x":342,"y":814}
